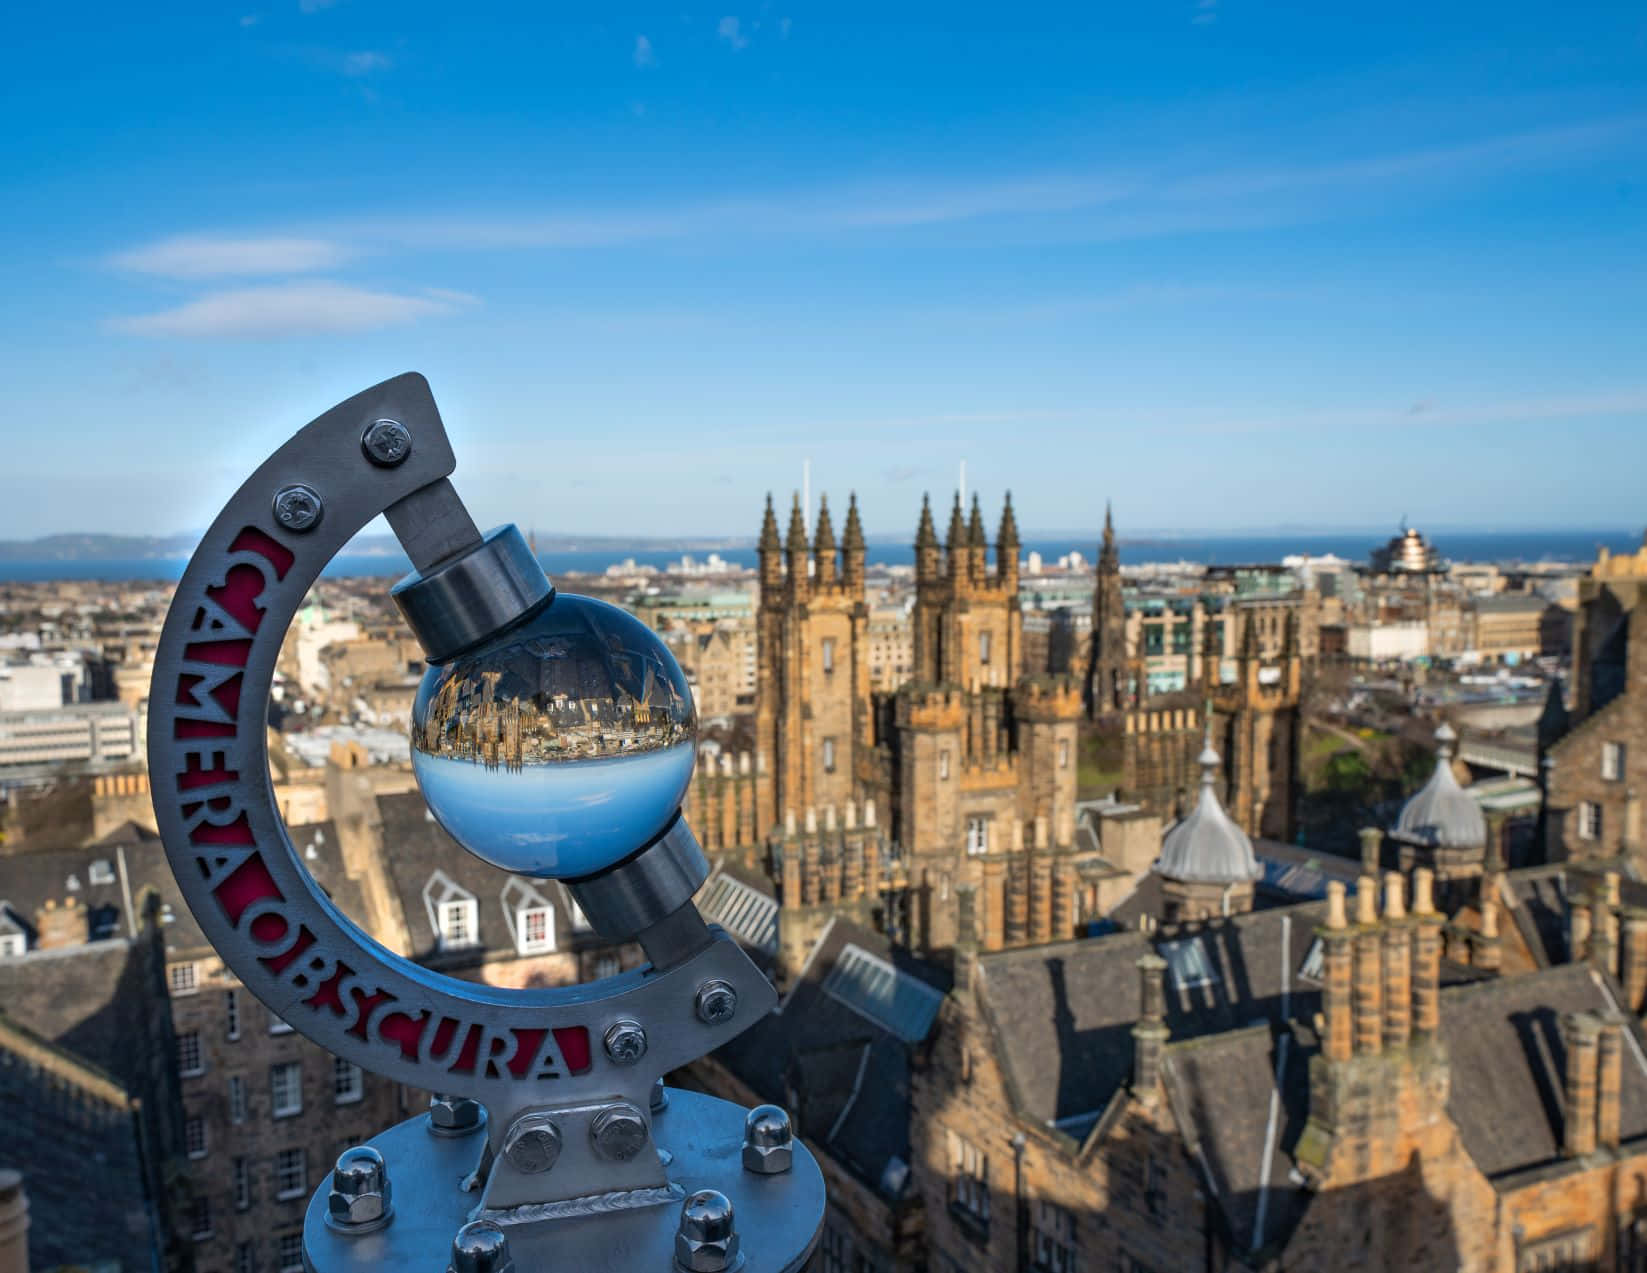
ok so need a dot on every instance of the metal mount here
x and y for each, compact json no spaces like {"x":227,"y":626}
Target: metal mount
{"x":565,"y":1156}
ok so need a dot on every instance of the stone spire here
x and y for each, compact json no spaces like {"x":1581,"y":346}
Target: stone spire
{"x":1109,"y":556}
{"x":977,"y":542}
{"x":1006,"y":542}
{"x":771,"y":551}
{"x":823,"y":543}
{"x":926,"y":542}
{"x":795,"y":549}
{"x":852,"y":547}
{"x":955,"y":542}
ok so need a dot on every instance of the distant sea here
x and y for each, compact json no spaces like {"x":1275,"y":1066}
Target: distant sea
{"x":1473,"y":546}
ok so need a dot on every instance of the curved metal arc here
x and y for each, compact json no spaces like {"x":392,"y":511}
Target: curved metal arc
{"x":227,"y":844}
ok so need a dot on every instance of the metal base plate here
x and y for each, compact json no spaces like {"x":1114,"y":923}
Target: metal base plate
{"x":778,"y":1217}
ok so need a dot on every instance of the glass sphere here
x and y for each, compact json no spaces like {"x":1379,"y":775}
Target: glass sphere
{"x":559,"y":747}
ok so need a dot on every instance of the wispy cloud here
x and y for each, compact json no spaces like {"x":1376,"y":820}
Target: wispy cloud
{"x":193,"y":256}
{"x":645,"y":59}
{"x":1206,"y":12}
{"x":731,"y":30}
{"x":250,"y":20}
{"x":366,"y":62}
{"x":288,"y":309}
{"x":314,"y":6}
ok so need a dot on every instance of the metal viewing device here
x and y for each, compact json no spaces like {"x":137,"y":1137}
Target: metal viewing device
{"x":553,"y":736}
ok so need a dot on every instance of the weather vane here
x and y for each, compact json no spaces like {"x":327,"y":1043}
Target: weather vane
{"x":553,"y":736}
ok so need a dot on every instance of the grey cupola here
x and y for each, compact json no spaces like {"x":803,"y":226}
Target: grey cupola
{"x":1442,"y":814}
{"x":1206,"y":846}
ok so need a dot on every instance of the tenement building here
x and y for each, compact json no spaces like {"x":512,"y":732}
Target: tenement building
{"x":1595,"y":760}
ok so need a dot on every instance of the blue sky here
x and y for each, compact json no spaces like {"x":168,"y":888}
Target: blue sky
{"x":1231,"y":264}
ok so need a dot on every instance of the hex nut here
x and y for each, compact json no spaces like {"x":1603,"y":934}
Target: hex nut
{"x":659,"y":1100}
{"x":717,"y":1002}
{"x":768,"y":1141}
{"x":533,"y":1144}
{"x":625,"y":1042}
{"x":360,"y":1199}
{"x":455,"y":1115}
{"x":706,"y":1241}
{"x":386,"y":443}
{"x":297,"y":507}
{"x":481,"y":1247}
{"x":618,"y":1132}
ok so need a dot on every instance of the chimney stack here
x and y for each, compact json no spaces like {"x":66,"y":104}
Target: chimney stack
{"x":1581,"y":1033}
{"x":1603,"y":936}
{"x":1426,"y":956}
{"x":1578,"y":927}
{"x":1367,"y":979}
{"x":60,"y":926}
{"x":966,"y":936}
{"x":1633,"y":958}
{"x":1609,"y":1081}
{"x":1335,"y":940}
{"x":1149,"y":1036}
{"x":1398,"y":953}
{"x":1372,"y":843}
{"x":1489,"y":950}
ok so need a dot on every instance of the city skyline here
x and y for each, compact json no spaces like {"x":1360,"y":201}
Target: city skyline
{"x":1237,"y":267}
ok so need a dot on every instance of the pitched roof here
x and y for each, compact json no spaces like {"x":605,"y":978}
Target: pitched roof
{"x":1064,"y":1013}
{"x":844,"y":1071}
{"x":1504,"y":1040}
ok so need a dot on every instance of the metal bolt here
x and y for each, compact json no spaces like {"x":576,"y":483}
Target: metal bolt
{"x":533,"y":1144}
{"x":359,"y":1200}
{"x":717,"y":1002}
{"x":618,"y":1132}
{"x":297,"y":507}
{"x":660,"y":1097}
{"x":454,"y":1115}
{"x":481,"y":1247}
{"x":768,"y":1141}
{"x":386,"y":443}
{"x":625,"y":1042}
{"x":705,"y":1241}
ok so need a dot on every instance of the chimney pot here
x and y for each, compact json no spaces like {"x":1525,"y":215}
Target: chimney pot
{"x":1335,"y":904}
{"x":1423,"y":891}
{"x":1366,"y":900}
{"x":1395,"y":906}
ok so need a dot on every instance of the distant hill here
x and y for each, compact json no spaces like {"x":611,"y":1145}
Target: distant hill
{"x":138,"y":547}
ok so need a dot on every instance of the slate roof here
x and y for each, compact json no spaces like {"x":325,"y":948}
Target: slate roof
{"x":417,"y":849}
{"x":1064,"y":1013}
{"x":91,"y":875}
{"x":844,"y":1076}
{"x":1539,"y":902}
{"x":1504,"y":1039}
{"x":742,"y":903}
{"x":1242,"y":1100}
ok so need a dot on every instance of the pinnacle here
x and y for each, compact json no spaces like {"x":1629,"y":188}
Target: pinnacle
{"x":796,"y":542}
{"x":957,"y":526}
{"x":926,"y":535}
{"x":854,"y":540}
{"x":1009,"y":524}
{"x":975,"y":528}
{"x":824,"y":541}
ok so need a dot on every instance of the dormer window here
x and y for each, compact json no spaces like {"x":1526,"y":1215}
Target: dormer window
{"x":13,"y":946}
{"x":530,"y":915}
{"x":454,"y":914}
{"x":100,"y":872}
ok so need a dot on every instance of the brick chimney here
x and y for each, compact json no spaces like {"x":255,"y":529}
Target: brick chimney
{"x":1149,"y":1036}
{"x":1603,"y":934}
{"x":1489,"y":947}
{"x":994,"y":908}
{"x":59,"y":926}
{"x":1580,"y":1032}
{"x":1609,"y":1080}
{"x":1578,"y":926}
{"x":1335,"y":958}
{"x":1017,"y":901}
{"x":1398,"y":951}
{"x":966,"y":937}
{"x":1372,"y":846}
{"x":1367,"y":977}
{"x":1632,"y":959}
{"x":1426,"y":955}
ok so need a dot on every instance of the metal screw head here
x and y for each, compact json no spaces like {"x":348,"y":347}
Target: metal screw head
{"x":297,"y":507}
{"x":706,"y":1241}
{"x":481,"y":1247}
{"x":386,"y":442}
{"x":454,"y":1115}
{"x":660,"y":1097}
{"x":618,"y":1132}
{"x":717,"y":1002}
{"x":359,"y":1201}
{"x":533,"y":1144}
{"x":625,"y":1042}
{"x":768,"y":1141}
